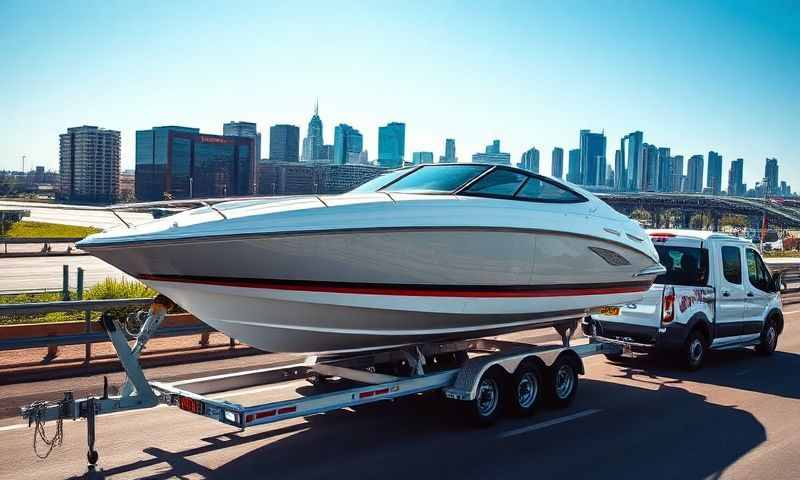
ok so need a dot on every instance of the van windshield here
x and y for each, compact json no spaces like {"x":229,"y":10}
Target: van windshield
{"x":685,"y":266}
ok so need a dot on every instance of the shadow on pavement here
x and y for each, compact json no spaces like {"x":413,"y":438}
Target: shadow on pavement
{"x":662,"y":431}
{"x":741,"y":369}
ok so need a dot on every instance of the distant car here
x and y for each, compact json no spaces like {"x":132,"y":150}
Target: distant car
{"x":717,"y":293}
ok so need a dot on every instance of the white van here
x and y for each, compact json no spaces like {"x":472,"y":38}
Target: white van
{"x":717,"y":293}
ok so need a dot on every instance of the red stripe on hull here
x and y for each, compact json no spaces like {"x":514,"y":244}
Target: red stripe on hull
{"x":482,"y":292}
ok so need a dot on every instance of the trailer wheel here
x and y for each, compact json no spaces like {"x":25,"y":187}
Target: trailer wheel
{"x":525,"y":388}
{"x":485,"y":408}
{"x":563,"y":382}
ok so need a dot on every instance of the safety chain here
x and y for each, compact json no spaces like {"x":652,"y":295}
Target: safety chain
{"x":38,"y":416}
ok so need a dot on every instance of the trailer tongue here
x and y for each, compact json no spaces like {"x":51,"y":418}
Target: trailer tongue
{"x":479,"y":373}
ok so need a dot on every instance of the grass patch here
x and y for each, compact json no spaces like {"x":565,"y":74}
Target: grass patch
{"x":107,"y":289}
{"x":48,"y":230}
{"x":781,"y":253}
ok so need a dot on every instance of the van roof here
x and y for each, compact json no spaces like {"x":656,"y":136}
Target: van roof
{"x":702,"y":235}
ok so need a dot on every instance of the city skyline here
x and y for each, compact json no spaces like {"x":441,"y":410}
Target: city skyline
{"x":726,"y":87}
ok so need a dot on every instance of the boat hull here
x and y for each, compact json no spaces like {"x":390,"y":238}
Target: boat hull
{"x":356,"y":290}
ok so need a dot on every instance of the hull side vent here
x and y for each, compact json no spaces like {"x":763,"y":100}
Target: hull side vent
{"x":611,"y":258}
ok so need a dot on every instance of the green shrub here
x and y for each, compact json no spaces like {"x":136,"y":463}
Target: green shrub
{"x":107,"y":289}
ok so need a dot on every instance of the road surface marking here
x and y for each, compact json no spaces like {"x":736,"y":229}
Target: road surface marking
{"x":549,"y":423}
{"x":791,"y":312}
{"x":223,"y":396}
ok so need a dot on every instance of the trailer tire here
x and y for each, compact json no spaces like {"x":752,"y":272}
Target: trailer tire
{"x":562,"y":382}
{"x":525,"y":389}
{"x":484,"y":410}
{"x":769,"y":338}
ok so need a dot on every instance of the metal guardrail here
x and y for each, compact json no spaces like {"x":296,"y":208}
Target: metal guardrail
{"x":91,"y":334}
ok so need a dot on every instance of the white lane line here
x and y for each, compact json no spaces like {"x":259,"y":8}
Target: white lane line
{"x":790,"y":312}
{"x":13,"y":427}
{"x":223,"y":396}
{"x":549,"y":423}
{"x":112,"y":414}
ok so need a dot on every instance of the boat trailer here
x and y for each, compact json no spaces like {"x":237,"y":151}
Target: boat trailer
{"x":475,"y":372}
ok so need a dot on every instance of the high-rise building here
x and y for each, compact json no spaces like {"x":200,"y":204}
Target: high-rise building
{"x":293,"y":178}
{"x":650,"y":170}
{"x":530,"y":160}
{"x":325,"y":154}
{"x":422,"y":157}
{"x":593,"y":158}
{"x":180,"y":162}
{"x":620,"y":183}
{"x":449,"y":152}
{"x":631,"y":148}
{"x":609,"y":177}
{"x":284,"y":143}
{"x":678,"y":178}
{"x":492,"y":154}
{"x":244,"y":129}
{"x":557,"y":163}
{"x":736,"y":177}
{"x":771,"y":175}
{"x":89,"y":159}
{"x":664,"y":170}
{"x":714,"y":173}
{"x":313,"y":143}
{"x":391,"y":145}
{"x":694,"y":174}
{"x":574,"y":173}
{"x":347,"y":144}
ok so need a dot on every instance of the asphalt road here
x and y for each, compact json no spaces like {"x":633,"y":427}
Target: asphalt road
{"x":737,"y":418}
{"x":45,"y":273}
{"x":70,"y":215}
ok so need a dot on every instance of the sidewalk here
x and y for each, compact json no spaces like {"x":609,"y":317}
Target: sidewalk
{"x":29,"y":365}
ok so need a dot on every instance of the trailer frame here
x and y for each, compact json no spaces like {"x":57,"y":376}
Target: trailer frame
{"x":459,"y":369}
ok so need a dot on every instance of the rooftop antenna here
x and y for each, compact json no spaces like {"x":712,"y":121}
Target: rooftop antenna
{"x":23,"y":164}
{"x":316,"y":106}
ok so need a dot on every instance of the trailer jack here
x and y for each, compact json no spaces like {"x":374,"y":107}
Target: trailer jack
{"x":136,"y":393}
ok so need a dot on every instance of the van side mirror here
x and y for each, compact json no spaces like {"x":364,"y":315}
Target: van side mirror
{"x":777,"y":282}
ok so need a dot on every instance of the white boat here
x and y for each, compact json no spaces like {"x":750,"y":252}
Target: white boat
{"x":430,"y":253}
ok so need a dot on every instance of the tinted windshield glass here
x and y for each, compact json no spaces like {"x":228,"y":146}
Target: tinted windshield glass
{"x":685,"y":266}
{"x":499,"y":182}
{"x":436,"y":179}
{"x":543,"y":191}
{"x":378,"y":182}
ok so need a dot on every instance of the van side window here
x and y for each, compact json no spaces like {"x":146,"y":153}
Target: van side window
{"x":732,"y":265}
{"x":757,"y":272}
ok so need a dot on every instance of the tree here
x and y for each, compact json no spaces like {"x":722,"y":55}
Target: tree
{"x":734,"y":222}
{"x":642,"y":216}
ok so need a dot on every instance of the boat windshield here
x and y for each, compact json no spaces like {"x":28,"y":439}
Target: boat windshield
{"x":380,"y":181}
{"x":436,"y":179}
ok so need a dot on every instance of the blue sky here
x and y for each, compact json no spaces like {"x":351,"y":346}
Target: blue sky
{"x":693,"y":75}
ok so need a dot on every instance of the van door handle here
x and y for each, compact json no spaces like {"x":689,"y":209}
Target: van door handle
{"x":726,"y":293}
{"x":749,"y":294}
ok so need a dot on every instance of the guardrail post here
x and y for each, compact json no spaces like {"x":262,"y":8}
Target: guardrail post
{"x":232,"y":343}
{"x":204,"y":340}
{"x":65,"y":283}
{"x":52,"y":351}
{"x":79,"y":286}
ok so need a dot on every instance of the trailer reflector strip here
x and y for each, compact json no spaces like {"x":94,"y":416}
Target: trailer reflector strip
{"x":268,"y":413}
{"x":283,"y":410}
{"x":372,"y":393}
{"x":191,"y":405}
